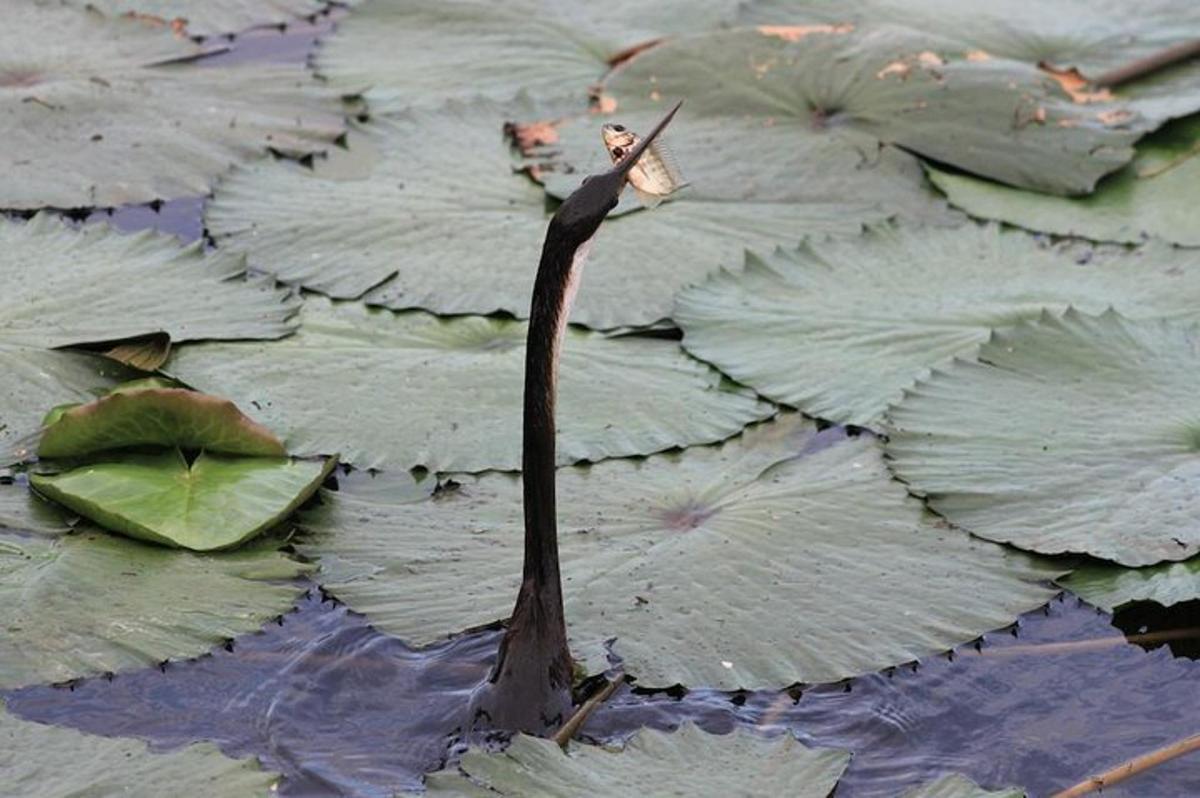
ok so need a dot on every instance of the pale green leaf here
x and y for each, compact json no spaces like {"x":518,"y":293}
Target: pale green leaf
{"x":1072,"y":434}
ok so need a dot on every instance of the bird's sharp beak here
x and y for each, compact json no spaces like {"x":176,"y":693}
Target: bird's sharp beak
{"x":631,"y":157}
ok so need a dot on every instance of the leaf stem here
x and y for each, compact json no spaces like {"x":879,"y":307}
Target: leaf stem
{"x":1149,"y":64}
{"x":1132,"y":767}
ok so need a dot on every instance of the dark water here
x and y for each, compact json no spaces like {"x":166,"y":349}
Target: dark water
{"x":341,"y":709}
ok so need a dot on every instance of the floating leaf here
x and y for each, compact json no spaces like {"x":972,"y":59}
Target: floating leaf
{"x":1110,"y":587}
{"x":840,"y":93}
{"x":42,"y":761}
{"x":956,"y":786}
{"x":156,"y":416}
{"x":35,"y":379}
{"x":105,"y":112}
{"x":65,"y":286}
{"x":210,"y":17}
{"x":461,"y":233}
{"x":215,"y":502}
{"x":1072,"y":434}
{"x":1078,"y":42}
{"x":399,"y":53}
{"x":740,"y":565}
{"x":1156,"y":195}
{"x":414,"y":389}
{"x":691,"y":761}
{"x":840,"y":328}
{"x":86,"y":603}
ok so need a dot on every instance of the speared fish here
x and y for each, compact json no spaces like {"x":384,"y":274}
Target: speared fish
{"x":655,"y":176}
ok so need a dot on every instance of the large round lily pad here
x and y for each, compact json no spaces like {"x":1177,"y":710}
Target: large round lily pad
{"x":215,"y":502}
{"x":132,"y":415}
{"x":841,"y":92}
{"x":88,"y":602}
{"x":65,"y":285}
{"x":839,"y":328}
{"x":1156,"y":195}
{"x":690,"y":761}
{"x":98,"y":111}
{"x":36,"y":380}
{"x":1071,"y":434}
{"x":398,"y":53}
{"x":1077,"y":40}
{"x":768,"y":560}
{"x":1111,"y":586}
{"x":456,"y":230}
{"x":414,"y":389}
{"x":40,"y":761}
{"x":210,"y":17}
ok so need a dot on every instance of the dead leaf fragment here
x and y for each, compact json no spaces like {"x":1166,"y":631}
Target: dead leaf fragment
{"x":1076,"y":85}
{"x":528,"y":136}
{"x":1115,"y":116}
{"x":978,"y":55}
{"x":794,"y":33}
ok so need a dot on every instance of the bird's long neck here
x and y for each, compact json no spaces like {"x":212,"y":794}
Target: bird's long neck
{"x":553,"y":294}
{"x":530,"y":687}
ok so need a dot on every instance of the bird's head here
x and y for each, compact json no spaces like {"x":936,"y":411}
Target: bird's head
{"x":581,"y":213}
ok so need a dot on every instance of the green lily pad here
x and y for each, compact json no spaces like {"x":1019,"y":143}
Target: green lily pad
{"x":691,"y":761}
{"x":66,"y":286}
{"x":455,"y":230}
{"x":1156,"y":195}
{"x":413,"y":389}
{"x":156,"y":416}
{"x":1072,"y":434}
{"x":1110,"y":587}
{"x":842,"y":93}
{"x":42,"y":761}
{"x":211,"y":17}
{"x":757,"y":563}
{"x":35,"y":379}
{"x":1080,"y":39}
{"x":215,"y":502}
{"x":399,"y":53}
{"x":839,"y":328}
{"x":956,"y":786}
{"x":85,"y":603}
{"x":103,"y":111}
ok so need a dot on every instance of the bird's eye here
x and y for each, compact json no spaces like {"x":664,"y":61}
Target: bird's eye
{"x":618,"y":152}
{"x":619,"y":128}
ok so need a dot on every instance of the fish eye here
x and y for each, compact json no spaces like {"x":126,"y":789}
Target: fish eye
{"x":619,"y":128}
{"x":618,"y":152}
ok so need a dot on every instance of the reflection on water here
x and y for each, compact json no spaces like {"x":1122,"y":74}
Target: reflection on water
{"x":341,"y":709}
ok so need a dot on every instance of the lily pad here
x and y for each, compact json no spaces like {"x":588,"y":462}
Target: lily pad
{"x":65,"y":286}
{"x":691,"y":761}
{"x":156,"y":416}
{"x":1156,"y":195}
{"x":88,"y":603}
{"x":1072,"y":434}
{"x":843,"y":92}
{"x":455,"y":230}
{"x":210,"y":17}
{"x":35,"y":379}
{"x":413,"y":389}
{"x":98,"y":111}
{"x":1110,"y":587}
{"x":398,"y":53}
{"x":1078,"y":41}
{"x":956,"y":786}
{"x":42,"y":761}
{"x":771,"y":559}
{"x":212,"y":503}
{"x":839,"y":328}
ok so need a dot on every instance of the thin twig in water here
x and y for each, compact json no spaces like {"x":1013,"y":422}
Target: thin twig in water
{"x":1131,"y":768}
{"x":564,"y":735}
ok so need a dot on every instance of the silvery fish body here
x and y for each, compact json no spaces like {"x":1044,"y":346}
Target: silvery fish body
{"x":655,"y":175}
